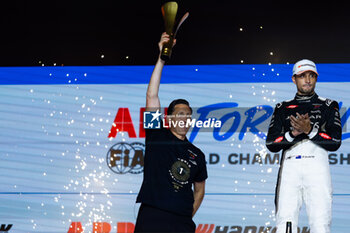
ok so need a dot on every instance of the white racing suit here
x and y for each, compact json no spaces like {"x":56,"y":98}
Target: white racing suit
{"x":304,"y":173}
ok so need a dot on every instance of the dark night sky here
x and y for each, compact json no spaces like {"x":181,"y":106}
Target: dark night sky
{"x":78,"y":33}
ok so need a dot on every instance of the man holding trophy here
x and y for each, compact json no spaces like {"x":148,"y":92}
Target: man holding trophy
{"x":173,"y":165}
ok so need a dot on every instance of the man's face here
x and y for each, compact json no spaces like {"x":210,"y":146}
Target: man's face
{"x":305,"y":82}
{"x":181,"y":113}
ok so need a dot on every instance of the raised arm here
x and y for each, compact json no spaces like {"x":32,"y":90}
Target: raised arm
{"x":152,"y":99}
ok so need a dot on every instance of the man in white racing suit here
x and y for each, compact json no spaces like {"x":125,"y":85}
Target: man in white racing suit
{"x":305,"y":128}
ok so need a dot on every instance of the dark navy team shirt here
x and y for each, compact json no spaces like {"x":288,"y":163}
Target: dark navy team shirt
{"x":171,"y":167}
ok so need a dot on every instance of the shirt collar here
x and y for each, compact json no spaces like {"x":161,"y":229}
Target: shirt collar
{"x":305,"y":98}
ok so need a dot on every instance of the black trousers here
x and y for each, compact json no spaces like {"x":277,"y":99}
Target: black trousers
{"x":151,"y":219}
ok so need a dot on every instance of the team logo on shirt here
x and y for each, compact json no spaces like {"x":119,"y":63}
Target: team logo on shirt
{"x":192,"y":157}
{"x":180,"y":172}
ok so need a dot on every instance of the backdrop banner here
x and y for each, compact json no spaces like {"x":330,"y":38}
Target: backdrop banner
{"x":60,"y":127}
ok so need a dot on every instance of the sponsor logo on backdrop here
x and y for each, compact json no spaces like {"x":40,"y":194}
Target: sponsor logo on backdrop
{"x":5,"y":228}
{"x":233,"y":119}
{"x":222,"y":119}
{"x":128,"y":227}
{"x":125,"y":157}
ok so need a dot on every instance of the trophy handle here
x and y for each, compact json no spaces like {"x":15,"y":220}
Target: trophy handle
{"x":181,"y":21}
{"x":169,"y":11}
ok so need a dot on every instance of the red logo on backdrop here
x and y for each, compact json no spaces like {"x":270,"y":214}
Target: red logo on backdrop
{"x":102,"y":227}
{"x":128,"y":227}
{"x":125,"y":227}
{"x":123,"y":123}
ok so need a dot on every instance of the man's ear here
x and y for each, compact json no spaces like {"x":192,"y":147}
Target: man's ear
{"x":293,"y":78}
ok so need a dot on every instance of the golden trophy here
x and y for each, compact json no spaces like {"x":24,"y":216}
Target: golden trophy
{"x":169,"y":11}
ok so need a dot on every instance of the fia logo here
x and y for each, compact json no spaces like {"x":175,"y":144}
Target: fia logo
{"x":151,"y":120}
{"x":123,"y":158}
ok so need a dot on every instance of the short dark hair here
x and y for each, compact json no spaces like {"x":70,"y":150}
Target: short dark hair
{"x":174,"y":103}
